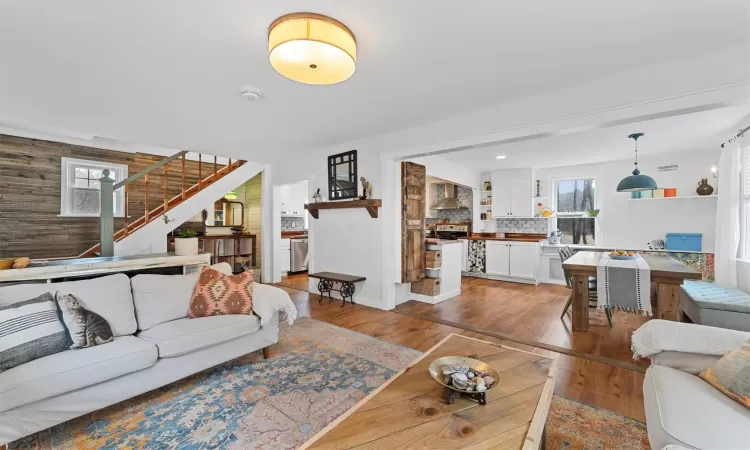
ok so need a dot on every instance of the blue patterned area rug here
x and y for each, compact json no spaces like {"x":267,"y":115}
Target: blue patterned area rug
{"x":317,"y":371}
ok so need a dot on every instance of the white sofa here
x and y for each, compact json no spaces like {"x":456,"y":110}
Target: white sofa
{"x":155,"y":344}
{"x":684,"y":411}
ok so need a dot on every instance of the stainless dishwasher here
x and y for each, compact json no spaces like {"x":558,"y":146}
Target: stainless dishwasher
{"x":298,"y":255}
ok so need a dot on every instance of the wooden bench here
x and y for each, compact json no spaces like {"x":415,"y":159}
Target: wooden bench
{"x":327,"y":279}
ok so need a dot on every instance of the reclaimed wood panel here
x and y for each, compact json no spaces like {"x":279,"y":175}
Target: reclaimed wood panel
{"x":413,"y":209}
{"x":30,"y":177}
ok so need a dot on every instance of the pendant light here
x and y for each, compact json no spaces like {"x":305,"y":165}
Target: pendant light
{"x":312,"y":48}
{"x":636,"y":182}
{"x":231,"y":196}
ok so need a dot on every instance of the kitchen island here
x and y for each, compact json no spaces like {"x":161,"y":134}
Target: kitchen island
{"x":447,"y":276}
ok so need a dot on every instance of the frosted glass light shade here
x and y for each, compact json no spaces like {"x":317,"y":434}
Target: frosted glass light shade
{"x":311,"y":48}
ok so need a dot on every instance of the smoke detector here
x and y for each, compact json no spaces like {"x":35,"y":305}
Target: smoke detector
{"x":251,"y":93}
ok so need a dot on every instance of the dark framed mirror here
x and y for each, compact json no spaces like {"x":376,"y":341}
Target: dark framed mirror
{"x":342,"y":176}
{"x":226,"y":213}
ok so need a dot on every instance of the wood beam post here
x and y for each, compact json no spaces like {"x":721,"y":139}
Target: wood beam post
{"x":580,"y":302}
{"x":106,"y":215}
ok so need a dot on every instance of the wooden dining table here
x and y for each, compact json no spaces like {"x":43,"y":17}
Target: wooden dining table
{"x":667,"y":274}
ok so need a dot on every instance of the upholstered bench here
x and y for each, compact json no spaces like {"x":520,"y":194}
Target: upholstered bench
{"x":716,"y":306}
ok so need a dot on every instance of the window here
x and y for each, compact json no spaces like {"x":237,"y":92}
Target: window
{"x":573,"y":198}
{"x":79,"y":189}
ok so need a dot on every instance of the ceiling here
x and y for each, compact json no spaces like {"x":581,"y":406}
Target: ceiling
{"x":698,"y":131}
{"x":169,"y":72}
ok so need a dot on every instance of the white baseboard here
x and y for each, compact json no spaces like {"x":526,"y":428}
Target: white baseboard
{"x":436,"y":299}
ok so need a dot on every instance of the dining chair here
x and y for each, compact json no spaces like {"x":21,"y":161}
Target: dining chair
{"x":565,"y":253}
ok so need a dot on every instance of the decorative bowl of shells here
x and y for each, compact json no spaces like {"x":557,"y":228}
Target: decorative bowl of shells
{"x":464,"y":375}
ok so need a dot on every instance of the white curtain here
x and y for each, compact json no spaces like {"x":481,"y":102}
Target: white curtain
{"x":728,"y":216}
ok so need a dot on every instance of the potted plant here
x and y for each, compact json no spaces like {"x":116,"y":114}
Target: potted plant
{"x":555,"y":237}
{"x":186,"y":243}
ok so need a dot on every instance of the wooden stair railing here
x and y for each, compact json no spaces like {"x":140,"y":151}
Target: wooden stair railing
{"x":168,"y":203}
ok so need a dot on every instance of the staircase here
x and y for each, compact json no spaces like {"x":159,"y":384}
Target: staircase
{"x":148,"y":233}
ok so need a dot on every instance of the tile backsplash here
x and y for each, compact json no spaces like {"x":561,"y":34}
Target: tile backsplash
{"x":538,"y":226}
{"x":464,"y":196}
{"x":292,"y":223}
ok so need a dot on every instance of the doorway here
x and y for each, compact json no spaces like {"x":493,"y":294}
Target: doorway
{"x":293,"y":252}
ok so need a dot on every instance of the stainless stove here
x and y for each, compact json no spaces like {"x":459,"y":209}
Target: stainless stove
{"x":452,"y":231}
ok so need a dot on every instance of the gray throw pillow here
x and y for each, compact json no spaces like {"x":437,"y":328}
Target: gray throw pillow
{"x":30,"y":330}
{"x":86,"y":328}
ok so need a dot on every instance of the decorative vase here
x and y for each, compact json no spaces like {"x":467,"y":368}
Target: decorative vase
{"x":704,"y":188}
{"x":186,"y":246}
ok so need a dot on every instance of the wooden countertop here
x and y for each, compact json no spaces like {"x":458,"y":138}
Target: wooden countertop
{"x":435,"y":241}
{"x":291,"y":234}
{"x":516,"y":237}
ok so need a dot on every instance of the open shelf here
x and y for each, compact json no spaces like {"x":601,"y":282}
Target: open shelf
{"x":674,"y":198}
{"x":370,"y":205}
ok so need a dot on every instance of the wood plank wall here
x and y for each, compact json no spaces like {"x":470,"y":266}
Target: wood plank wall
{"x":30,"y":195}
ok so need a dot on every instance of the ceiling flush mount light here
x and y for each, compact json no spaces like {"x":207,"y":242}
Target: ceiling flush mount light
{"x":311,"y":48}
{"x":231,"y":195}
{"x":636,"y":182}
{"x":500,"y":157}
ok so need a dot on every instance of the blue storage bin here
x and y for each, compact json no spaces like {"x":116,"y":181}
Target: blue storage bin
{"x":685,"y":241}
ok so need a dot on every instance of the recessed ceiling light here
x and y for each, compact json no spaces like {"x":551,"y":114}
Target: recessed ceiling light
{"x":500,"y":157}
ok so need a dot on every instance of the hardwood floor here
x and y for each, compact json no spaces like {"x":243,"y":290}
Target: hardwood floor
{"x":297,"y":281}
{"x":531,"y":314}
{"x":604,"y":385}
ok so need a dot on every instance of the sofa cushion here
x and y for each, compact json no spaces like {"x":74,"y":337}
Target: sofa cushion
{"x":713,"y":296}
{"x":684,"y":410}
{"x":162,"y":298}
{"x":73,"y":369}
{"x":182,"y":336}
{"x":108,"y":296}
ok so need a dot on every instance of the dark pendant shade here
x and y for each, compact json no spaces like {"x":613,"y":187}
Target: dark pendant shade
{"x":636,"y":182}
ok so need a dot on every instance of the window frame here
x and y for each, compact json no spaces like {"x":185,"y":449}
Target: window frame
{"x":553,"y":224}
{"x":67,"y":183}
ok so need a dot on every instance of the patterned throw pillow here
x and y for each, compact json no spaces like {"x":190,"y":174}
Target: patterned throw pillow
{"x":31,"y":330}
{"x":731,"y":374}
{"x":217,"y":294}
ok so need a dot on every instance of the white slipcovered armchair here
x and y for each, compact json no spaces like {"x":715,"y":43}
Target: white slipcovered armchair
{"x":682,"y":410}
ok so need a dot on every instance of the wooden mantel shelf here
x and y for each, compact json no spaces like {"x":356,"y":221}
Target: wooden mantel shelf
{"x":370,"y":205}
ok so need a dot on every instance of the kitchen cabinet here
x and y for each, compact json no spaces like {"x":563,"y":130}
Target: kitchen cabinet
{"x":286,"y":255}
{"x":512,"y":259}
{"x":498,"y":258}
{"x":293,"y":199}
{"x":500,"y":196}
{"x":522,"y":260}
{"x":465,"y":255}
{"x":511,"y":195}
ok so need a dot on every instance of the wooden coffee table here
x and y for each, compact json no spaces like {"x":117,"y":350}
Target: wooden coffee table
{"x":409,"y":410}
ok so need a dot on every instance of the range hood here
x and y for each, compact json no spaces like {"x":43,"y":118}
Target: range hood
{"x":450,"y":201}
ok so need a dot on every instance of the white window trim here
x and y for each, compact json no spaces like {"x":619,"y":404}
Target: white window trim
{"x":67,"y":165}
{"x":553,"y":195}
{"x":744,"y":204}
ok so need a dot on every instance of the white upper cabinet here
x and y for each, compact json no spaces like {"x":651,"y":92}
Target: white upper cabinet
{"x":511,"y":194}
{"x":520,"y":197}
{"x":430,"y":197}
{"x":500,"y":196}
{"x":293,"y":198}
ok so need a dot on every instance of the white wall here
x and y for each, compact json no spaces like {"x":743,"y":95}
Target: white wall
{"x":341,"y":240}
{"x":633,"y":223}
